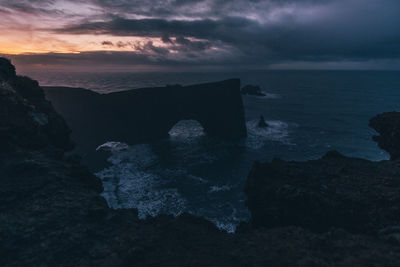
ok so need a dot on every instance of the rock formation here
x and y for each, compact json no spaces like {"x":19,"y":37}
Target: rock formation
{"x":142,"y":115}
{"x":262,"y":123}
{"x":21,"y":96}
{"x":51,"y":213}
{"x":252,"y":90}
{"x":388,"y":127}
{"x":357,"y":195}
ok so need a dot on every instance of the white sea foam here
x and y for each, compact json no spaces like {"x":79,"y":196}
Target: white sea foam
{"x":227,"y":226}
{"x":197,"y":178}
{"x":113,"y":146}
{"x":139,"y":178}
{"x":270,"y":95}
{"x":266,"y":95}
{"x":216,"y":188}
{"x":128,"y":184}
{"x":277,"y":131}
{"x":229,"y":223}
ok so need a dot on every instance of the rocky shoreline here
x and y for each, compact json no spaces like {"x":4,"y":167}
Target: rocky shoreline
{"x":336,"y":211}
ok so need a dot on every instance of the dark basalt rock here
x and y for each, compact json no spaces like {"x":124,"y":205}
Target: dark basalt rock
{"x":252,"y":90}
{"x":335,"y":191}
{"x":26,"y":117}
{"x":262,"y":123}
{"x":357,"y":195}
{"x":388,"y":126}
{"x":51,"y":213}
{"x":142,"y":115}
{"x":7,"y":70}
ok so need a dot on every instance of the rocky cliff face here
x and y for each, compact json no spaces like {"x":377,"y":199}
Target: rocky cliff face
{"x":51,"y":213}
{"x":27,"y":119}
{"x":388,"y":126}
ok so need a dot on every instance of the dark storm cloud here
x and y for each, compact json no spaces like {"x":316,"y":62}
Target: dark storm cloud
{"x":146,"y":27}
{"x":355,"y":34}
{"x":166,"y":39}
{"x":107,"y":43}
{"x":185,"y":44}
{"x":203,"y":8}
{"x":29,"y":6}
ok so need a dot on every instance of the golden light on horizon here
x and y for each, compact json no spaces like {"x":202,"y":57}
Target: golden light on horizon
{"x":34,"y":33}
{"x":18,"y":43}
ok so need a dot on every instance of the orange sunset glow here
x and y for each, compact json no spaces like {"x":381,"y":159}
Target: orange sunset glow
{"x":31,"y":31}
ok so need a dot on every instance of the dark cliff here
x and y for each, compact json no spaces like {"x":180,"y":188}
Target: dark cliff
{"x":27,"y":119}
{"x":388,"y":126}
{"x":51,"y":213}
{"x":142,"y":115}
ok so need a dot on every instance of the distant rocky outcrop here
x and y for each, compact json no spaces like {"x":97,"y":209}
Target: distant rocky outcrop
{"x":261,"y":122}
{"x":51,"y":213}
{"x":388,"y":126}
{"x":252,"y":90}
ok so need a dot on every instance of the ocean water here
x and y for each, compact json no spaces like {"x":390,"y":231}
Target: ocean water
{"x":308,"y":113}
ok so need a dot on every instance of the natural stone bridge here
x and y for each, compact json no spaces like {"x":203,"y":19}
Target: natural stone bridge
{"x":142,"y":115}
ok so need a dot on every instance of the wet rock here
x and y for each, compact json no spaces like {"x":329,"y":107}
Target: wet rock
{"x":334,"y":191}
{"x":388,"y":126}
{"x":262,"y":123}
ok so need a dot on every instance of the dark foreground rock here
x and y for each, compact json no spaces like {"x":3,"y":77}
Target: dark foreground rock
{"x":51,"y":213}
{"x":353,"y":194}
{"x":388,"y":126}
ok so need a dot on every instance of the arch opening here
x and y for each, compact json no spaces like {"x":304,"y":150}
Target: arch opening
{"x":186,"y":129}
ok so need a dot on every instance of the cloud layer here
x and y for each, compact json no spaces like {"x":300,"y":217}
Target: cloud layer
{"x":210,"y":32}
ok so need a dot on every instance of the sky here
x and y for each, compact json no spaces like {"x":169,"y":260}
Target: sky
{"x":201,"y":34}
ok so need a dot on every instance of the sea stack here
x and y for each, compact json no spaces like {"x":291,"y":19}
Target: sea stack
{"x":262,"y":123}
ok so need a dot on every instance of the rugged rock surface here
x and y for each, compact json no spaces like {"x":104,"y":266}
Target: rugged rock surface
{"x":388,"y":126}
{"x":51,"y":213}
{"x":353,"y":194}
{"x":26,"y":117}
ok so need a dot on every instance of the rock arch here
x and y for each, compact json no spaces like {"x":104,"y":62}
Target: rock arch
{"x":141,"y":115}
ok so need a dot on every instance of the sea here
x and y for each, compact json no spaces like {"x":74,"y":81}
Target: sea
{"x":308,"y":113}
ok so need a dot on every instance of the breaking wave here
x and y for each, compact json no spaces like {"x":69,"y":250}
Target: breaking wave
{"x":277,"y":131}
